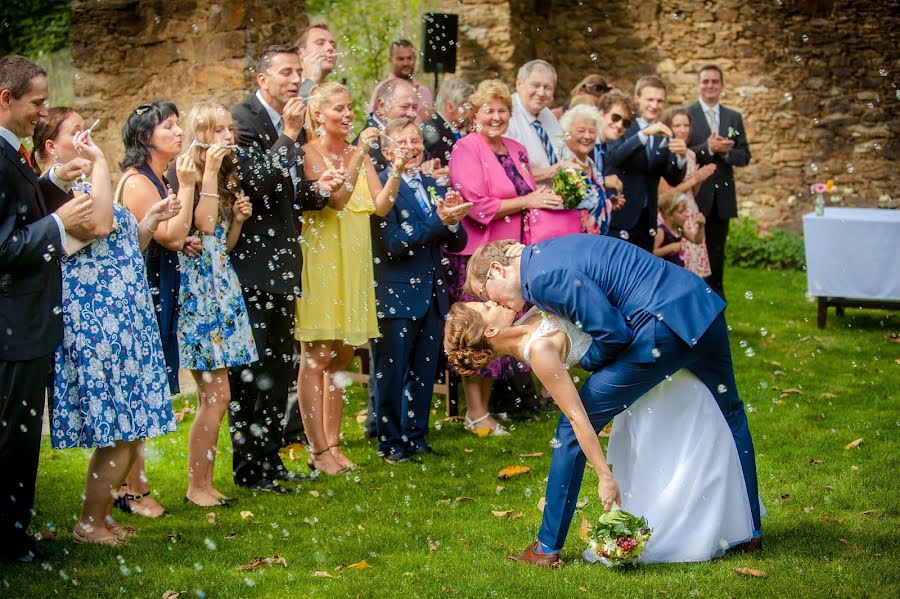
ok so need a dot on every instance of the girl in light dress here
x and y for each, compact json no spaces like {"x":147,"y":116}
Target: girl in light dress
{"x":214,"y":330}
{"x":110,"y":389}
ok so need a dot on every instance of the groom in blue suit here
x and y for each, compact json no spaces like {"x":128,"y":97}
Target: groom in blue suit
{"x":648,"y":318}
{"x":411,"y":295}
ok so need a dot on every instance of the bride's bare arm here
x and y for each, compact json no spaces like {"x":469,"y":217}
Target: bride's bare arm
{"x":549,"y":368}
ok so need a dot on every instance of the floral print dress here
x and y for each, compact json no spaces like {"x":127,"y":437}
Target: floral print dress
{"x":110,"y":382}
{"x":214,"y":329}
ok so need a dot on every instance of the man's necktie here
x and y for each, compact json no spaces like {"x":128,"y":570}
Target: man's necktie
{"x":416,"y":185}
{"x":598,"y":158}
{"x":279,"y":126}
{"x":24,"y":154}
{"x":545,"y":141}
{"x":651,"y":148}
{"x":713,"y":121}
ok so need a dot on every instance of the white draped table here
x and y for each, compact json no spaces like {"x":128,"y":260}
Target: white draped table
{"x":853,"y":258}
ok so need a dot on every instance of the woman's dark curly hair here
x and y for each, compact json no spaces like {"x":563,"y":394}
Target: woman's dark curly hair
{"x":139,"y":127}
{"x":464,"y":341}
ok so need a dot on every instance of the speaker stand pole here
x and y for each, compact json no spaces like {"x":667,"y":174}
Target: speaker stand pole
{"x":435,"y":86}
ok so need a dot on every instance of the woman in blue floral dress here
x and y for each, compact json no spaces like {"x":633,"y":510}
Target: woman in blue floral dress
{"x":214,"y":331}
{"x":110,"y":389}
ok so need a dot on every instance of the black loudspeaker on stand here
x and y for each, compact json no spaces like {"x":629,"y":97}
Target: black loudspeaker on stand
{"x":439,"y":34}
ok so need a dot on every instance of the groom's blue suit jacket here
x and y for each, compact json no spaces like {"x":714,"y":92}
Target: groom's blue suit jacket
{"x":611,"y":288}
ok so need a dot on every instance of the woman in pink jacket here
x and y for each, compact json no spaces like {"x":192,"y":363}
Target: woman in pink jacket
{"x":494,"y":173}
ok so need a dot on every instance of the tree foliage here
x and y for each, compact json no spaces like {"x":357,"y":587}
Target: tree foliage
{"x":34,"y":27}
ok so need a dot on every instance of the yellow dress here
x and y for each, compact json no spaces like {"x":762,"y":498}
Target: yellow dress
{"x":337,"y":279}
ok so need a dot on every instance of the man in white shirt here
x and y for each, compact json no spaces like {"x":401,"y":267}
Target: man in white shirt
{"x":402,"y":62}
{"x":717,"y":137}
{"x":533,"y":124}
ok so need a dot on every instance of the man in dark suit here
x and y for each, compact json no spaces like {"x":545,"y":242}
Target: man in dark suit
{"x":645,"y":153}
{"x":267,"y":261}
{"x":411,"y":295}
{"x":394,"y":99}
{"x":442,"y":128}
{"x":31,"y":240}
{"x":717,"y":137}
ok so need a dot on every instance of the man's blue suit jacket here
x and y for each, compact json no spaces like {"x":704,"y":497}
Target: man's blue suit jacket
{"x":610,"y":288}
{"x":406,"y":248}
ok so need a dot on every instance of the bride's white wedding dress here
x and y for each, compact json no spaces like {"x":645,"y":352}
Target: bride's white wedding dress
{"x":675,"y":461}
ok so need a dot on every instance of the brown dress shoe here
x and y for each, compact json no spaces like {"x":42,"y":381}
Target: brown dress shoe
{"x":754,"y":545}
{"x":542,"y":560}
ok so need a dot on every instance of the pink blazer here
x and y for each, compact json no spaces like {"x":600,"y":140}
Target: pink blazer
{"x":476,"y":173}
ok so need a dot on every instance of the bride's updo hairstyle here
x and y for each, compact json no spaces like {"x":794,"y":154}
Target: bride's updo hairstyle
{"x":464,"y":341}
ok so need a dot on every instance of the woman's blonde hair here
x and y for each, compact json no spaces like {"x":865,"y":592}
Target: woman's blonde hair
{"x":464,"y":341}
{"x":200,"y":127}
{"x":318,"y":99}
{"x":489,"y":89}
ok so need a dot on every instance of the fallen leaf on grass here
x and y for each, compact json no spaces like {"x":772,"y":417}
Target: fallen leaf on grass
{"x":314,"y":493}
{"x":231,"y":535}
{"x":778,"y":373}
{"x":581,"y":504}
{"x":432,"y":546}
{"x":854,"y":468}
{"x":211,"y":517}
{"x":816,"y":462}
{"x":171,"y":594}
{"x":607,"y":431}
{"x":844,"y":541}
{"x":481,"y":433}
{"x":499,"y":489}
{"x":750,"y":572}
{"x":324,"y":574}
{"x":830,"y":518}
{"x":261,"y":562}
{"x":541,"y":503}
{"x":501,"y":514}
{"x":246,"y":515}
{"x":410,"y":486}
{"x":584,"y":531}
{"x":511,"y":471}
{"x":294,"y":451}
{"x":854,"y":443}
{"x":444,"y":502}
{"x":468,"y":450}
{"x":462,"y":498}
{"x":536,"y":454}
{"x":808,"y":509}
{"x":359,"y":565}
{"x":452,"y":418}
{"x":827,"y":395}
{"x":518,"y":515}
{"x":791,"y":390}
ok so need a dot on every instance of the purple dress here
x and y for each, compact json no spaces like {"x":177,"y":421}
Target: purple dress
{"x":670,"y":237}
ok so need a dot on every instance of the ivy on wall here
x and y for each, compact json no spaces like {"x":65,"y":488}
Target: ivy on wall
{"x":34,"y":27}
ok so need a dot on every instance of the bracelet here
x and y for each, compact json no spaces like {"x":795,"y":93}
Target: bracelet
{"x":210,"y":195}
{"x":395,"y":175}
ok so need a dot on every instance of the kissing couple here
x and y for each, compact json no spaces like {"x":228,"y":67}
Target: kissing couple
{"x":653,"y":337}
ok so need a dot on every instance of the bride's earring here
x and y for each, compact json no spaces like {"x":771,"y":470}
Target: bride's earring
{"x":320,"y":130}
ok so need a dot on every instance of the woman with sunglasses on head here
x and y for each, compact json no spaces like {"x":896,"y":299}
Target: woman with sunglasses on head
{"x":152,"y":140}
{"x":110,"y":389}
{"x":592,"y":86}
{"x":214,"y":330}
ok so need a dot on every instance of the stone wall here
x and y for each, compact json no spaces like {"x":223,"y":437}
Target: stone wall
{"x":815,"y":80}
{"x":128,"y":52}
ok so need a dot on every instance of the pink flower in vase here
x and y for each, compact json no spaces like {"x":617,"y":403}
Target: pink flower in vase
{"x":818,"y":188}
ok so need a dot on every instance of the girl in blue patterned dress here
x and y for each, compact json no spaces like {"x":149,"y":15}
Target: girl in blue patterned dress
{"x":109,"y":387}
{"x":214,"y":331}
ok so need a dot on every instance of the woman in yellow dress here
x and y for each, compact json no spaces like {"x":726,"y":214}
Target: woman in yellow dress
{"x":337,"y":310}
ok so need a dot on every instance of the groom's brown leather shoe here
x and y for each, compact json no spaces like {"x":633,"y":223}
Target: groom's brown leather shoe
{"x":542,"y":560}
{"x":754,"y":545}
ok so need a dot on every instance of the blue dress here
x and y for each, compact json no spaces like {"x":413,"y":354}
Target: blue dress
{"x":164,"y":279}
{"x":109,"y":380}
{"x":214,"y":329}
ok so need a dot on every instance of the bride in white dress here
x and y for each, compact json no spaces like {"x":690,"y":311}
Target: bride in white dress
{"x":672,"y":453}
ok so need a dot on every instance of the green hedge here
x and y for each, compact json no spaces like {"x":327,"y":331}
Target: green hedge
{"x":34,"y":27}
{"x":778,"y":249}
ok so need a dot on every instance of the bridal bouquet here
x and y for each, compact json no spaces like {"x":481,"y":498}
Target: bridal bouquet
{"x":570,"y":186}
{"x":619,"y":537}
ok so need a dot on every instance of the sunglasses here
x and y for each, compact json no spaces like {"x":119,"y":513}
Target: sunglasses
{"x":615,"y":118}
{"x":487,"y":277}
{"x":142,"y":109}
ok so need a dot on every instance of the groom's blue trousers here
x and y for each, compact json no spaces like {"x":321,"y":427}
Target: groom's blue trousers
{"x":618,"y":384}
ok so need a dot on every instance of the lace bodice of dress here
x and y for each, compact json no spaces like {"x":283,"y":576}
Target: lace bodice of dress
{"x":579,"y":341}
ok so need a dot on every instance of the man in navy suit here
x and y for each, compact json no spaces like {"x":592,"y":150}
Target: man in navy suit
{"x":31,"y":328}
{"x":646,"y":152}
{"x":648,"y":318}
{"x":717,"y":137}
{"x":411,"y":295}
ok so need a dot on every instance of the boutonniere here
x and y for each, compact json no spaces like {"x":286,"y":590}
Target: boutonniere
{"x":731,"y":132}
{"x":433,"y":195}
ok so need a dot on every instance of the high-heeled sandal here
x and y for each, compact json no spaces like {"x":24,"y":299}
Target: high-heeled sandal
{"x":123,"y":502}
{"x":344,"y":468}
{"x":80,"y":537}
{"x":471,"y":425}
{"x":121,"y":531}
{"x":310,"y":463}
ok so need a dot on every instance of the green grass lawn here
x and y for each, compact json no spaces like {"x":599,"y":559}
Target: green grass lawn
{"x":427,"y":530}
